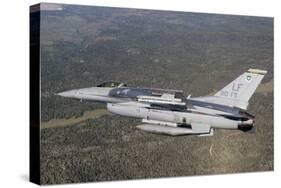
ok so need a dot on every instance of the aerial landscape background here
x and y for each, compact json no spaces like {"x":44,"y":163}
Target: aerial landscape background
{"x":82,"y":46}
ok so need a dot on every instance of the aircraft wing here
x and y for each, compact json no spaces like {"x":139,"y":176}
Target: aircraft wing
{"x":198,"y":129}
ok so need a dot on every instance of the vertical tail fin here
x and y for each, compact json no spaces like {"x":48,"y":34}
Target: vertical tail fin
{"x":243,"y":87}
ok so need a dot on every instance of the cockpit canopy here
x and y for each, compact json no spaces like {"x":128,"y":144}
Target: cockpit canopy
{"x":112,"y":84}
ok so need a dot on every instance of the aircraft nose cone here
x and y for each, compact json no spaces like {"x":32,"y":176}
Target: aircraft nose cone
{"x":66,"y":94}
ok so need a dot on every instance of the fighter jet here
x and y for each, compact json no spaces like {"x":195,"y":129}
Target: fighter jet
{"x":170,"y":112}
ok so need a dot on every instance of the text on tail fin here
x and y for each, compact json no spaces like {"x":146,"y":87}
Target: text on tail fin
{"x":243,"y":87}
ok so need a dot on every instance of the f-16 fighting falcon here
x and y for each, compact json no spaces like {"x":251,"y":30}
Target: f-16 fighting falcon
{"x":170,"y":112}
